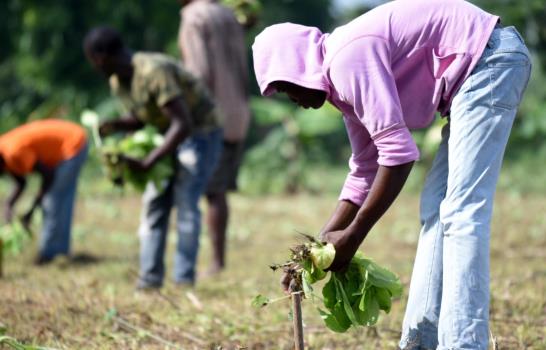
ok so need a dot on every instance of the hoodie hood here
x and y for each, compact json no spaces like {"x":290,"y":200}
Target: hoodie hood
{"x":289,"y":52}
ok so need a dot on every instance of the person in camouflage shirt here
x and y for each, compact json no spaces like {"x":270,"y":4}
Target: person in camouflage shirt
{"x":154,"y":89}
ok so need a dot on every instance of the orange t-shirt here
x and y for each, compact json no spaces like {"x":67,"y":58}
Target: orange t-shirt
{"x":48,"y":141}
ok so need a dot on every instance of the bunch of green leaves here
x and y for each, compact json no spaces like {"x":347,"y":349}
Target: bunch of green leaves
{"x":137,"y":145}
{"x":14,"y":236}
{"x":353,"y":297}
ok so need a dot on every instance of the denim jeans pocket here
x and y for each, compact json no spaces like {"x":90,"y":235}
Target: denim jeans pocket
{"x":508,"y":84}
{"x":509,"y":73}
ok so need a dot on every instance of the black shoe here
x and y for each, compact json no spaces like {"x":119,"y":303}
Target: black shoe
{"x":83,"y":259}
{"x":41,"y":260}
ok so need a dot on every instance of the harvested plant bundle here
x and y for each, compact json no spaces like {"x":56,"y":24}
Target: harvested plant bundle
{"x":353,"y":297}
{"x":137,"y":145}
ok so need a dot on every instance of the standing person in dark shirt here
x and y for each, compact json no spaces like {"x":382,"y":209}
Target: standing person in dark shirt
{"x":213,"y":48}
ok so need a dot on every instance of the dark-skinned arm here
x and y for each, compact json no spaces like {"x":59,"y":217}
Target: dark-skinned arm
{"x":20,"y":185}
{"x":48,"y":175}
{"x":180,"y":127}
{"x":124,"y":124}
{"x":350,"y":224}
{"x":347,"y":234}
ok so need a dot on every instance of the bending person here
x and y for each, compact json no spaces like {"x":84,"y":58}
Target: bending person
{"x":156,"y":90}
{"x":389,"y":71}
{"x":55,"y":149}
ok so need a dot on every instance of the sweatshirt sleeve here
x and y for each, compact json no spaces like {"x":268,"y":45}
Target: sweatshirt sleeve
{"x":361,"y":75}
{"x":362,"y":164}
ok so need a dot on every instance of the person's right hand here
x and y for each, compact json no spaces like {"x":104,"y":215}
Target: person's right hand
{"x":285,"y":282}
{"x":288,"y":284}
{"x":106,"y":128}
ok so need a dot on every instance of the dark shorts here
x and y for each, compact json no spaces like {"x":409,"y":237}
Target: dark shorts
{"x":224,"y":178}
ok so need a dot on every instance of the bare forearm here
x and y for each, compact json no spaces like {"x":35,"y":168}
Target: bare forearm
{"x":179,"y":128}
{"x":127,"y":123}
{"x":342,"y":217}
{"x":20,"y":185}
{"x":173,"y":137}
{"x":48,"y":176}
{"x":387,"y":185}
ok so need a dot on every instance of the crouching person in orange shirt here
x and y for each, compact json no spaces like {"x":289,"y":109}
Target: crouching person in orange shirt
{"x":56,"y":149}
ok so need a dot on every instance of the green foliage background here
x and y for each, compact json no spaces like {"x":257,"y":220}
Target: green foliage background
{"x":43,"y":72}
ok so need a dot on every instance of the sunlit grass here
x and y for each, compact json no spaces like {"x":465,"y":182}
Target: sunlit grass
{"x":70,"y":306}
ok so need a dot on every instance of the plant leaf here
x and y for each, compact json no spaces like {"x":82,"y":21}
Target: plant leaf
{"x":259,"y":301}
{"x":323,"y":256}
{"x":331,"y":322}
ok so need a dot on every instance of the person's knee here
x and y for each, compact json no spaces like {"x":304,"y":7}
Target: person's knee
{"x":461,"y":216}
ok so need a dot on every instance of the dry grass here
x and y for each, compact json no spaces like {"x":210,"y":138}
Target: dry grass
{"x":94,"y":305}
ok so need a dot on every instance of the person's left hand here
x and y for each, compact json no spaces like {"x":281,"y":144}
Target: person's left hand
{"x":346,"y":246}
{"x":135,"y":164}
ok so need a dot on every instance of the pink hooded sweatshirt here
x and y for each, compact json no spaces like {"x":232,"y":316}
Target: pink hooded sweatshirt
{"x":387,"y":71}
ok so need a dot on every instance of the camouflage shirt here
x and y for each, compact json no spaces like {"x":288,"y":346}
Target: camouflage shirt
{"x":157,"y":79}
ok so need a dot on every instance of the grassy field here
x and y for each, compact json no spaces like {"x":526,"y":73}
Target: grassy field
{"x":92,"y":304}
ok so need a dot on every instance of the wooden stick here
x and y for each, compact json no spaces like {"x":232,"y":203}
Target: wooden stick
{"x":298,"y":320}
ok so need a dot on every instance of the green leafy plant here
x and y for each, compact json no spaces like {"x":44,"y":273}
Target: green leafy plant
{"x":350,"y":298}
{"x":137,"y":145}
{"x":14,"y":236}
{"x":355,"y":297}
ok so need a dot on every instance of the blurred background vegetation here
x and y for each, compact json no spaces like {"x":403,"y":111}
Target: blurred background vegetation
{"x":43,"y":73}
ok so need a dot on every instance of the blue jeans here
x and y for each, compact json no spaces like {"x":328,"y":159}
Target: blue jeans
{"x":196,"y":158}
{"x":448,"y":305}
{"x":58,"y":206}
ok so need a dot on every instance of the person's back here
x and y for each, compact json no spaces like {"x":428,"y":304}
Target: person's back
{"x":157,"y":79}
{"x":47,"y":141}
{"x":447,"y":36}
{"x":55,"y":149}
{"x":213,"y":48}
